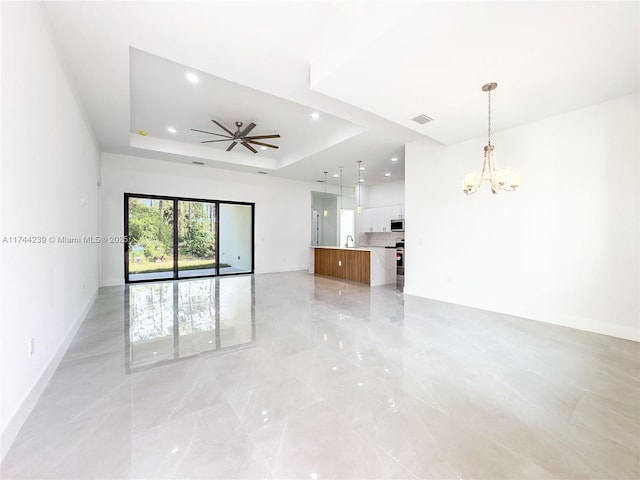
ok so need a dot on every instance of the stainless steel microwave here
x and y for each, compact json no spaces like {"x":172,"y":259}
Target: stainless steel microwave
{"x":397,"y":225}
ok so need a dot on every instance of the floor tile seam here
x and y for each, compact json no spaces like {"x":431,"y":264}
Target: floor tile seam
{"x":100,"y":400}
{"x":576,"y":423}
{"x":237,"y":417}
{"x":487,"y":438}
{"x":178,"y":464}
{"x":634,"y":420}
{"x":315,"y":398}
{"x":278,"y":455}
{"x":586,"y":458}
{"x":183,"y":398}
{"x":373,"y":443}
{"x":76,"y":445}
{"x":437,"y":444}
{"x":541,"y":408}
{"x":137,"y":432}
{"x":622,"y":373}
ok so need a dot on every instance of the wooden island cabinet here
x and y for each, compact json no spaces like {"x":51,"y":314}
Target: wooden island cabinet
{"x":348,"y":264}
{"x":364,"y":265}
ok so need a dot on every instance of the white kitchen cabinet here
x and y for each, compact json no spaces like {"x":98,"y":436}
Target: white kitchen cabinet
{"x":364,"y":221}
{"x":396,"y":212}
{"x":378,"y":219}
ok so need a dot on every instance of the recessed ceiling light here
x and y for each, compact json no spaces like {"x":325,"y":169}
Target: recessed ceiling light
{"x":192,"y":77}
{"x":315,"y":115}
{"x":387,"y":174}
{"x":335,"y":175}
{"x":394,"y":159}
{"x":361,"y":168}
{"x":263,"y":148}
{"x":362,"y":180}
{"x":172,"y":130}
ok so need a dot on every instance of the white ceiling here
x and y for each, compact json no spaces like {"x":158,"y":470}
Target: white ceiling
{"x":367,"y":67}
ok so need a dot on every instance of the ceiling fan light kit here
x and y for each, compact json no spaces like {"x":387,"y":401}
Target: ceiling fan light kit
{"x":498,"y":179}
{"x":240,"y":136}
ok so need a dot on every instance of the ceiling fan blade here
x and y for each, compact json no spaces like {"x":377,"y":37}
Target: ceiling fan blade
{"x":258,"y":143}
{"x":211,"y":133}
{"x":223,"y":127}
{"x":211,"y":141}
{"x":232,"y":145}
{"x":262,"y":136}
{"x":249,"y":147}
{"x":250,"y":127}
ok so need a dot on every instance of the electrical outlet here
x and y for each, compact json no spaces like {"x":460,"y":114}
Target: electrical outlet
{"x":31,"y":347}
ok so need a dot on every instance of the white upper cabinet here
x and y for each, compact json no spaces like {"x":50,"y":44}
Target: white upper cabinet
{"x":378,"y":219}
{"x":396,"y":212}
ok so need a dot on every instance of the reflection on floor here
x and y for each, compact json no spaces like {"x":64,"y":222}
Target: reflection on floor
{"x":172,"y":320}
{"x":294,"y":376}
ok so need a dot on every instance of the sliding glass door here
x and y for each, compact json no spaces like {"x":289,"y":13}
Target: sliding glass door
{"x":150,"y":234}
{"x":196,"y":238}
{"x":172,"y":238}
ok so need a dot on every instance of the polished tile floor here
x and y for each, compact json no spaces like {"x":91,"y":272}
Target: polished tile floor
{"x":294,"y":376}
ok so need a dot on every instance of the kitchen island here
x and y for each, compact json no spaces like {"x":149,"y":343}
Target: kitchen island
{"x":370,"y":265}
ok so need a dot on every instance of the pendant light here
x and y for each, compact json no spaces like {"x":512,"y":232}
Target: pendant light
{"x":325,"y":213}
{"x":341,"y":209}
{"x":359,"y":207}
{"x":498,"y":179}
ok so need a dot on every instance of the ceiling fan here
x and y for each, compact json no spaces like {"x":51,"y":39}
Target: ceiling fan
{"x":240,"y":136}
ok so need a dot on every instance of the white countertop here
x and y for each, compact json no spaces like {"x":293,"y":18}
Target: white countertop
{"x":361,"y":248}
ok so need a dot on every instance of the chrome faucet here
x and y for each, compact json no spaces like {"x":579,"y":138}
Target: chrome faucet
{"x":346,"y":244}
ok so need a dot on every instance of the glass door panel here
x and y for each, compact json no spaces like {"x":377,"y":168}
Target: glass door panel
{"x":150,"y":230}
{"x":236,"y":238}
{"x":196,"y":239}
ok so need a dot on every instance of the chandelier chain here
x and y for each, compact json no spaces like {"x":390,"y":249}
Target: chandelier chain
{"x":489,"y":123}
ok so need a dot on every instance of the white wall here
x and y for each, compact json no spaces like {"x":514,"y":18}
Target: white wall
{"x":383,"y":194}
{"x":50,"y":167}
{"x":282,"y":207}
{"x":235,"y":236}
{"x":563,"y":249}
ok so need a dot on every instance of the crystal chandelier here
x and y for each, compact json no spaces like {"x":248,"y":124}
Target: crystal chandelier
{"x":498,"y":179}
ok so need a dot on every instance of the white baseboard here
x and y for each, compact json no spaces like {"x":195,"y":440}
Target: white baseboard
{"x":584,"y":324}
{"x":282,"y":270}
{"x":13,"y":428}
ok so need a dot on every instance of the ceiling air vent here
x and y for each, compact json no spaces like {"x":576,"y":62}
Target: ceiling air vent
{"x":263,"y":173}
{"x":422,"y":119}
{"x":197,"y":163}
